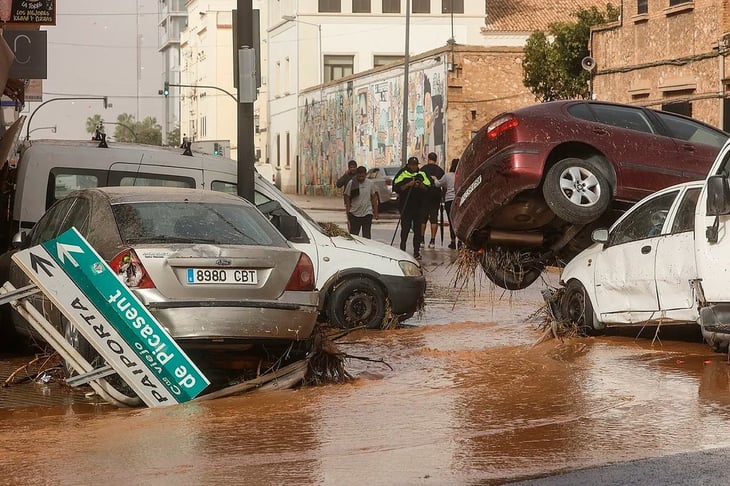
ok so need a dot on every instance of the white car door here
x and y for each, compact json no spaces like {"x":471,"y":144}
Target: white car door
{"x":675,"y":262}
{"x":626,"y":290}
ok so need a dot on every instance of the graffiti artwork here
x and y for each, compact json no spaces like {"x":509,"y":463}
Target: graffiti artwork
{"x":363,"y":120}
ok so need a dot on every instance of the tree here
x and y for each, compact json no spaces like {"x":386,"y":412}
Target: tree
{"x":92,"y":122}
{"x":173,"y":137}
{"x":552,"y":62}
{"x":127,"y":129}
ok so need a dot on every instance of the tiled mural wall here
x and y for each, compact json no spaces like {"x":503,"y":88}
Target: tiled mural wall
{"x":362,"y":119}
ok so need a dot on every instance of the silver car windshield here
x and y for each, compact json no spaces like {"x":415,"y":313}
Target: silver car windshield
{"x":186,"y":222}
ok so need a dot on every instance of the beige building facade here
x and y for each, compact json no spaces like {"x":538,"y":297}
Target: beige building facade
{"x":666,"y":54}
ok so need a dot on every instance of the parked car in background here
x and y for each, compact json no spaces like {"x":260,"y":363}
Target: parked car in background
{"x":383,"y":177}
{"x":209,"y":266}
{"x":640,"y":270}
{"x":534,"y":182}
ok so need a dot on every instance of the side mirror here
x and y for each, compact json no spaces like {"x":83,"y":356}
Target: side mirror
{"x":718,"y":196}
{"x":269,"y":207}
{"x":19,"y":240}
{"x":600,"y":236}
{"x":288,"y":226}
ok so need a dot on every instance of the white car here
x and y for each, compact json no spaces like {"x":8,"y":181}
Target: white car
{"x":640,"y":271}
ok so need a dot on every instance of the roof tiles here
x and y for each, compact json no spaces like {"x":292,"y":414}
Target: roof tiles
{"x":532,"y":15}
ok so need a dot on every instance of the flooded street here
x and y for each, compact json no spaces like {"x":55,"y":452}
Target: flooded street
{"x":470,"y":399}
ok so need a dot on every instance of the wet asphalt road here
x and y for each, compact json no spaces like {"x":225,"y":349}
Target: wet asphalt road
{"x":470,"y":399}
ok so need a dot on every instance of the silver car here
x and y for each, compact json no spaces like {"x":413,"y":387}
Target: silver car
{"x":209,"y":266}
{"x":382,"y":178}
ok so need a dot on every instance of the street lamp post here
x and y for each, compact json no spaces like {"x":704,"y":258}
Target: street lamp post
{"x":73,"y":98}
{"x":52,"y":129}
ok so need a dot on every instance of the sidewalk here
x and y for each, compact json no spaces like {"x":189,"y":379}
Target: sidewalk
{"x":321,"y":203}
{"x":335,"y":203}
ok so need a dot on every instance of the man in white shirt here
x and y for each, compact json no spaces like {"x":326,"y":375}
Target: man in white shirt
{"x":361,"y":203}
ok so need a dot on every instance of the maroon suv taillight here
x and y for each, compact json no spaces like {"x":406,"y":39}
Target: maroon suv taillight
{"x":303,"y":276}
{"x":501,"y":125}
{"x":130,"y":270}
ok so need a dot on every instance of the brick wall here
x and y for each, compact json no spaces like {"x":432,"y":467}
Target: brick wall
{"x":667,"y":55}
{"x":485,"y":82}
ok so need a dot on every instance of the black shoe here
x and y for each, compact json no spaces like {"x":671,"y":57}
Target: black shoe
{"x":452,"y":245}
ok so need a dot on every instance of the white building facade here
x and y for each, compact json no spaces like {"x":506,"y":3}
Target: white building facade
{"x":208,"y":98}
{"x":172,"y":18}
{"x":316,"y":42}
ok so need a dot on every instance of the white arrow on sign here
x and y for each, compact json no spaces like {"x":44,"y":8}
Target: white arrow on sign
{"x":64,"y":252}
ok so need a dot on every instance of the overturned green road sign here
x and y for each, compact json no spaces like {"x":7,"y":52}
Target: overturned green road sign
{"x":112,"y":319}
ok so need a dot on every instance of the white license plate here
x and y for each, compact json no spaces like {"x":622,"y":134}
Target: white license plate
{"x":231,"y":276}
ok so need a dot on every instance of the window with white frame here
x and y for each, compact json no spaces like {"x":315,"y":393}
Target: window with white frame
{"x":288,"y":151}
{"x":336,"y":67}
{"x":391,"y":6}
{"x":330,"y":6}
{"x":360,"y":6}
{"x":452,"y":6}
{"x":421,"y":6}
{"x":278,"y":150}
{"x":383,"y":60}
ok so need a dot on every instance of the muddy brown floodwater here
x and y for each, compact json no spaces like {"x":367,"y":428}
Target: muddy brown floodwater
{"x":470,"y":400}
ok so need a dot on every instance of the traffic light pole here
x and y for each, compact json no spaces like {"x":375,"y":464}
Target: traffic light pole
{"x":245,"y":142}
{"x":167,"y":85}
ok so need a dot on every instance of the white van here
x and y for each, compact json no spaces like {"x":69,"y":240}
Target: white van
{"x":361,"y":281}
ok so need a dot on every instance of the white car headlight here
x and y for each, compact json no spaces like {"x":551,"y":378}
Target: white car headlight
{"x":410,"y":269}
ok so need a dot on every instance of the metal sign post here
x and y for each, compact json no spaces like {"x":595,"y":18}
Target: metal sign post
{"x":121,"y":329}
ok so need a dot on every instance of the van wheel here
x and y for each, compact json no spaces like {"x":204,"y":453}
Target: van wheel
{"x":576,"y":308}
{"x":80,"y":344}
{"x":356,"y":302}
{"x":576,"y":191}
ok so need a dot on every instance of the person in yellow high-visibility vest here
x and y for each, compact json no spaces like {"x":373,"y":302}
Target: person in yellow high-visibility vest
{"x":411,"y":185}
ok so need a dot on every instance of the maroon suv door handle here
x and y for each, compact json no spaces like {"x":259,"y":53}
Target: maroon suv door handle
{"x":645,"y":249}
{"x":600,"y":131}
{"x":688,"y":147}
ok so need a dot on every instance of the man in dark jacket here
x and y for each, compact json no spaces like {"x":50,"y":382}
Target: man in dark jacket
{"x":412,"y":185}
{"x":433,"y":198}
{"x":345,"y":179}
{"x":347,"y":176}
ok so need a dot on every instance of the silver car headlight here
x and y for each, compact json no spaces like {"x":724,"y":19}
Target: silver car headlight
{"x":410,"y":269}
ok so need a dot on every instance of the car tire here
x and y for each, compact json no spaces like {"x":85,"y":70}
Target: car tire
{"x":80,"y":344}
{"x":576,"y":191}
{"x":356,"y":302}
{"x":576,"y":308}
{"x":509,"y":272}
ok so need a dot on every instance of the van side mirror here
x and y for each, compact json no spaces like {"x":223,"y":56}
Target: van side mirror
{"x":718,"y":196}
{"x":600,"y":235}
{"x":19,"y":240}
{"x":269,"y":207}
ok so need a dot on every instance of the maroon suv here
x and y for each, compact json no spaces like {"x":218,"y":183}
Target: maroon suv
{"x":534,"y":182}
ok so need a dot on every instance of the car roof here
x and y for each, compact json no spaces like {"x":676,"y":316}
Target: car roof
{"x":558,"y":105}
{"x":135,"y":194}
